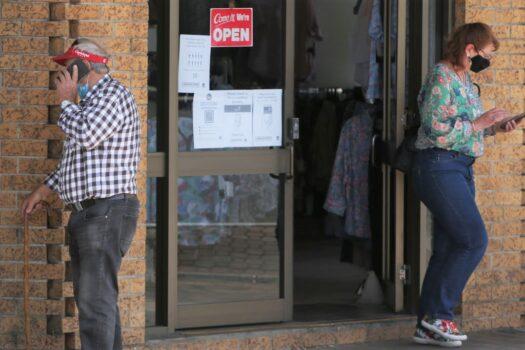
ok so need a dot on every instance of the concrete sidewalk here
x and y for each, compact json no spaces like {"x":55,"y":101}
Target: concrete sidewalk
{"x":505,"y":339}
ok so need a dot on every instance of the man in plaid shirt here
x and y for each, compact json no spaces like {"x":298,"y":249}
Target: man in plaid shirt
{"x":96,"y":178}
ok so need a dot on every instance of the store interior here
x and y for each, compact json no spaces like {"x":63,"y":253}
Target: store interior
{"x":337,"y":189}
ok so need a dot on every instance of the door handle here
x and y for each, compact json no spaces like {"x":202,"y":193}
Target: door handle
{"x":293,"y":134}
{"x":291,"y":172}
{"x":292,"y":163}
{"x":374,"y":149}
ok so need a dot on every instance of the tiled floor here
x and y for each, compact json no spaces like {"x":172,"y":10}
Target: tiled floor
{"x":510,"y":339}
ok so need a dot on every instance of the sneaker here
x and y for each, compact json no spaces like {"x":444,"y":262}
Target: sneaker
{"x":426,"y":337}
{"x":445,"y":328}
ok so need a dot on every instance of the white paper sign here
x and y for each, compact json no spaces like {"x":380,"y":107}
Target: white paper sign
{"x":194,"y":63}
{"x":222,"y":119}
{"x":267,"y":117}
{"x":237,"y":118}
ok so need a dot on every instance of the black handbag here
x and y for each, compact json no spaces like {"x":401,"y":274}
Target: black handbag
{"x":405,"y":154}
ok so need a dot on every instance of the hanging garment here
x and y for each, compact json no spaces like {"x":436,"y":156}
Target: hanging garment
{"x":360,"y":44}
{"x":334,"y":227}
{"x":308,"y":34}
{"x":375,"y":31}
{"x":348,"y":191}
{"x":324,"y":146}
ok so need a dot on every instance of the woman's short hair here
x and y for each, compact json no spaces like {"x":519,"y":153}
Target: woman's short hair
{"x":478,"y":34}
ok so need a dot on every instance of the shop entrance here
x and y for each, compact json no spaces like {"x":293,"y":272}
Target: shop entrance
{"x":276,"y":228}
{"x":348,"y":219}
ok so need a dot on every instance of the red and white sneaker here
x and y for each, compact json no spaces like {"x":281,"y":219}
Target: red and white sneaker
{"x":426,"y":337}
{"x":445,"y":328}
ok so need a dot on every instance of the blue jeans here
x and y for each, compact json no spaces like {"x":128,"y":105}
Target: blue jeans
{"x":444,"y":182}
{"x":99,"y":237}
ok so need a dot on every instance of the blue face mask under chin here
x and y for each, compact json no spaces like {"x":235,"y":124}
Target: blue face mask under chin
{"x":82,"y":90}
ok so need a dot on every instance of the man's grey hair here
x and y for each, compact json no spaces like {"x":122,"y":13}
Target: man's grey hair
{"x":89,"y":45}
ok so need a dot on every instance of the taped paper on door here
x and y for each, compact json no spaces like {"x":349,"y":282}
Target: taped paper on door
{"x":237,"y":119}
{"x":222,"y":119}
{"x":194,"y":63}
{"x":267,"y":121}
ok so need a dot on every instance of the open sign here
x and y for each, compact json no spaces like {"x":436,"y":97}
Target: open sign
{"x":231,"y":27}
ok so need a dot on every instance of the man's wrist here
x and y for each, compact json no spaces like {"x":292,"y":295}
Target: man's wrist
{"x":43,"y":191}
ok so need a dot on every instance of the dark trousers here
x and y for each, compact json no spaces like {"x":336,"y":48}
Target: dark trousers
{"x":444,"y":182}
{"x":99,"y":237}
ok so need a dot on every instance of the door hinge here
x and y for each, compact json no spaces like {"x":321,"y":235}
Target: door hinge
{"x":404,"y":274}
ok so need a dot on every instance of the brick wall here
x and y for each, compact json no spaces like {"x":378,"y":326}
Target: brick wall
{"x":495,"y":294}
{"x":30,"y":146}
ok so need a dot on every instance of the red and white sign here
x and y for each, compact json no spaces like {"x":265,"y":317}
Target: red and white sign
{"x":231,"y":27}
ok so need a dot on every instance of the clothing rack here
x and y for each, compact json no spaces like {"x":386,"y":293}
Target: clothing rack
{"x":302,"y":92}
{"x":322,"y":92}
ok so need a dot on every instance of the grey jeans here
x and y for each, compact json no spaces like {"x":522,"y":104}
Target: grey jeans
{"x":99,"y":237}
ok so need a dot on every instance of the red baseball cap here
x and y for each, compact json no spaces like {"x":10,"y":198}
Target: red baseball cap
{"x":76,"y":53}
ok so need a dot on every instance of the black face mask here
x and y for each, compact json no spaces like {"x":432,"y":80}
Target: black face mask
{"x":479,"y":63}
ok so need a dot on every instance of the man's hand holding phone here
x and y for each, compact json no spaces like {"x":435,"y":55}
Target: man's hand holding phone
{"x":67,"y":85}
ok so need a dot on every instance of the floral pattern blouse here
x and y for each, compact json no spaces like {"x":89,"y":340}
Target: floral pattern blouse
{"x":348,"y":191}
{"x":448,"y":107}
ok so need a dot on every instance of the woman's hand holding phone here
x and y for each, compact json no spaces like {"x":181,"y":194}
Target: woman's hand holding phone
{"x":490,"y":118}
{"x":510,"y":124}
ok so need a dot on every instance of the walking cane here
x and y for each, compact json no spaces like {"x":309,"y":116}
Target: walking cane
{"x":45,"y":205}
{"x":26,"y":281}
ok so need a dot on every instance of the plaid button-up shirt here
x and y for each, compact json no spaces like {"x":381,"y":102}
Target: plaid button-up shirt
{"x":102,"y":147}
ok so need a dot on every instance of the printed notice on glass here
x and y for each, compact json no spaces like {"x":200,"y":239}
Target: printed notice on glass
{"x":237,"y":118}
{"x":267,"y":117}
{"x":222,"y":119}
{"x":194,"y":63}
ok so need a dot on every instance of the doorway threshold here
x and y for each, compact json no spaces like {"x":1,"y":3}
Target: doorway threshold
{"x":285,"y":335}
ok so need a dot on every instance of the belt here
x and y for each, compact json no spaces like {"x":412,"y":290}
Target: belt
{"x":82,"y":205}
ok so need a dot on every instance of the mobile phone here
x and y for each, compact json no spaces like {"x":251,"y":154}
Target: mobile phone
{"x":82,"y":68}
{"x":517,"y":118}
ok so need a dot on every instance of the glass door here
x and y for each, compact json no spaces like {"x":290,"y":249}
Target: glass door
{"x":230,"y":201}
{"x":415,"y":31}
{"x":395,"y":19}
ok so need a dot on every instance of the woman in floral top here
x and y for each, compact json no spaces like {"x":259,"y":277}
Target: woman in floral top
{"x":450,"y":139}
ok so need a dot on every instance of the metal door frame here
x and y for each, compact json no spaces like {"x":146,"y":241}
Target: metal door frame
{"x":175,"y":164}
{"x":394,"y":181}
{"x":446,"y":27}
{"x":424,"y":234}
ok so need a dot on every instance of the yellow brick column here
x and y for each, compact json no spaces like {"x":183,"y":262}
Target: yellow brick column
{"x":27,"y":140}
{"x":30,"y":146}
{"x":492,"y":297}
